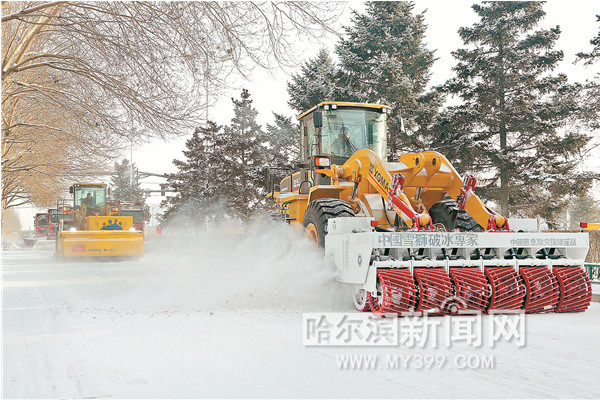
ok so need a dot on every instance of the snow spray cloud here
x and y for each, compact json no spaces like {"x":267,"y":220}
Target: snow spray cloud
{"x":229,"y":266}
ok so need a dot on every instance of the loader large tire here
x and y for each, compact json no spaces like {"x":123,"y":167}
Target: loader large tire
{"x":441,"y":213}
{"x":318,"y":212}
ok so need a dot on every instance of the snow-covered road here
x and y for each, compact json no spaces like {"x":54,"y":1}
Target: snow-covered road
{"x":194,"y":321}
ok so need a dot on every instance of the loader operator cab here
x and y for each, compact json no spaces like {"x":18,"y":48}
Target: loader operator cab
{"x":93,"y":196}
{"x":336,"y":130}
{"x":339,"y":129}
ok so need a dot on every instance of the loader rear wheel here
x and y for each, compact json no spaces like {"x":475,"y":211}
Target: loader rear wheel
{"x":316,"y":216}
{"x":443,"y":213}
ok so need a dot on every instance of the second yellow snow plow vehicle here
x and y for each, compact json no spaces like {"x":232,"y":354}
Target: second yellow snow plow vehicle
{"x":411,"y":235}
{"x":95,"y":229}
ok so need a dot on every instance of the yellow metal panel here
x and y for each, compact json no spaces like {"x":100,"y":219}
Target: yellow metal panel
{"x":592,"y":227}
{"x":109,"y":223}
{"x":100,"y":244}
{"x":332,"y":191}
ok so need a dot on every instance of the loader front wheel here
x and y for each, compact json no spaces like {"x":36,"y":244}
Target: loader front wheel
{"x":316,"y":216}
{"x":360,"y":298}
{"x":447,"y":213}
{"x":311,"y":233}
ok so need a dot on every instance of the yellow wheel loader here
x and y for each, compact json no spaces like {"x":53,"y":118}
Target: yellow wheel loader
{"x":410,"y":235}
{"x":95,"y":229}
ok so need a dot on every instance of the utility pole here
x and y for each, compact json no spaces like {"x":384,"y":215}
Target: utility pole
{"x":131,"y":163}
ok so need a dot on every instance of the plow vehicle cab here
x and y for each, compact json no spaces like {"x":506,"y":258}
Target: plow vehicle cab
{"x":134,"y":210}
{"x":410,"y":234}
{"x":40,"y":222}
{"x":55,"y":216}
{"x":41,"y":228}
{"x":94,"y":229}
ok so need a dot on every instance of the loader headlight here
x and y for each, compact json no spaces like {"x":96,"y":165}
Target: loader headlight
{"x":322,"y":162}
{"x":73,"y":229}
{"x":132,"y":229}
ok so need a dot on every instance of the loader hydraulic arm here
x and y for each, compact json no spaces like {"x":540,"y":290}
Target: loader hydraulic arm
{"x":369,"y":174}
{"x":412,"y":185}
{"x":432,"y":175}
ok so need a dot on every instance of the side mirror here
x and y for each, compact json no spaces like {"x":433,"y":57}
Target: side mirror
{"x":318,"y":118}
{"x":400,"y":122}
{"x":109,"y":191}
{"x":71,"y":190}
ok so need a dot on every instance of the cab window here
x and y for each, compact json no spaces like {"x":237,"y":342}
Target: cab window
{"x":92,"y":197}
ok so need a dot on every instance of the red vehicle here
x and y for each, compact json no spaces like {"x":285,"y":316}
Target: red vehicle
{"x":130,"y":209}
{"x":138,"y":214}
{"x":56,"y":215}
{"x":40,"y":222}
{"x":40,"y":225}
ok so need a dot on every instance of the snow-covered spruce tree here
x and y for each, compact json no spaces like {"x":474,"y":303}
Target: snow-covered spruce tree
{"x":584,"y":208}
{"x":508,"y":129}
{"x":199,"y":181}
{"x":282,"y":145}
{"x":125,"y":185}
{"x":316,"y":82}
{"x":590,"y":90}
{"x":283,"y":142}
{"x":244,"y":160}
{"x":383,"y":59}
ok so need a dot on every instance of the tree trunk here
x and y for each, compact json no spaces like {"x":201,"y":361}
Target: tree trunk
{"x":504,"y":183}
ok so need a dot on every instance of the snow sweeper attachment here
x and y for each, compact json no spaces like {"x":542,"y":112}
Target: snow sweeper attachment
{"x":459,"y":272}
{"x":412,"y":235}
{"x":95,"y":230}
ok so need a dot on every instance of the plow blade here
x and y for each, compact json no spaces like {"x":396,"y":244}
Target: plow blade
{"x":100,"y":244}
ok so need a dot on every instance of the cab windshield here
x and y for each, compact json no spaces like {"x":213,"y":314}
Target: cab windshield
{"x":56,"y":218}
{"x":91,"y":196}
{"x":138,"y":216}
{"x":42,"y":220}
{"x":347,"y":130}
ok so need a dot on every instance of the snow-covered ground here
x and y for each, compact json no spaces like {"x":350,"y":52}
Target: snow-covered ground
{"x":220,"y":315}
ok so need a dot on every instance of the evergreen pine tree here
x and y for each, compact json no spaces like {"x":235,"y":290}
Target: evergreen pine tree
{"x":584,"y":208}
{"x":316,"y":82}
{"x":507,"y":127}
{"x":384,"y":60}
{"x":198,"y":183}
{"x":282,"y":145}
{"x":244,"y":159}
{"x":125,"y":185}
{"x":590,"y":90}
{"x":593,"y":55}
{"x":283,"y":142}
